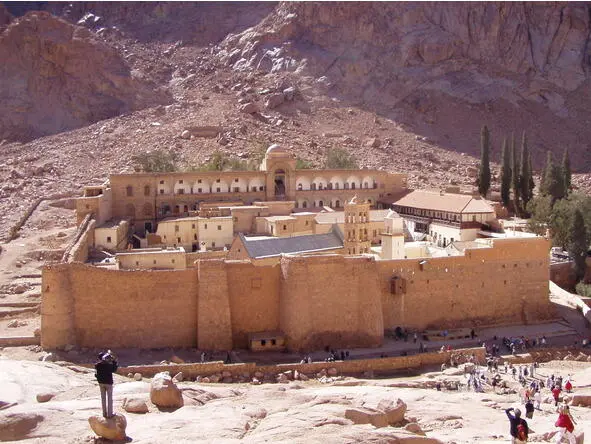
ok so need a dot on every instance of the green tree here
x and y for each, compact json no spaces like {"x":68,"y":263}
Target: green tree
{"x":526,"y":176}
{"x":553,"y":180}
{"x":340,"y":159}
{"x":566,"y":172}
{"x":515,"y":169}
{"x":540,"y":209}
{"x":302,"y":164}
{"x":506,"y":175}
{"x":157,"y":161}
{"x":532,"y":184}
{"x":484,"y":172}
{"x":578,"y":243}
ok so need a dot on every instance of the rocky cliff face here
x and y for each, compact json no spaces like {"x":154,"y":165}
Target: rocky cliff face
{"x":515,"y":66}
{"x":55,"y":76}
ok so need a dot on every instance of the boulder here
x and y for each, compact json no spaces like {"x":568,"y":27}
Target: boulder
{"x":394,"y":410}
{"x":226,"y":374}
{"x":413,"y":427}
{"x":274,"y":100}
{"x":164,"y":392}
{"x":178,"y":377}
{"x":332,"y":371}
{"x":289,"y":93}
{"x":17,"y":426}
{"x":186,"y":134}
{"x":249,"y":108}
{"x":109,"y":428}
{"x":135,"y":405}
{"x":367,"y":416}
{"x":582,"y":400}
{"x":282,"y":378}
{"x":44,"y":397}
{"x":137,"y":376}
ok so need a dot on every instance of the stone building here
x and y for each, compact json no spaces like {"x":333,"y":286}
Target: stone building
{"x":146,"y":198}
{"x":443,"y":218}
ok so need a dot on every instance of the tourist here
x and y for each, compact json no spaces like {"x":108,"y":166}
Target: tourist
{"x":309,"y":359}
{"x":472,"y":334}
{"x":568,"y":386}
{"x":202,"y":357}
{"x":415,"y":337}
{"x":556,"y":394}
{"x":544,"y":341}
{"x":538,"y":399}
{"x":228,"y":358}
{"x":565,"y":423}
{"x":105,"y":367}
{"x":531,"y":369}
{"x":529,"y":408}
{"x":514,"y":371}
{"x":550,"y":381}
{"x":519,"y":430}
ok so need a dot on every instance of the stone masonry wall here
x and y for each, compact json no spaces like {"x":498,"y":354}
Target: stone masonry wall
{"x":504,"y":284}
{"x":93,"y":307}
{"x":330,"y":300}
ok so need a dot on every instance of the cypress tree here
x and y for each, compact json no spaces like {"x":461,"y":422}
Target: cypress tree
{"x":525,"y":173}
{"x":566,"y":172}
{"x":515,"y":175}
{"x":484,"y":173}
{"x":532,"y":184}
{"x":577,"y":245}
{"x":506,"y":175}
{"x":553,"y":180}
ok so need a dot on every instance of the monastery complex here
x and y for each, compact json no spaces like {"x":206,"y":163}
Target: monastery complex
{"x":284,"y":257}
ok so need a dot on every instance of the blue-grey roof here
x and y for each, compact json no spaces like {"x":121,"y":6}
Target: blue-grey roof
{"x":259,"y":248}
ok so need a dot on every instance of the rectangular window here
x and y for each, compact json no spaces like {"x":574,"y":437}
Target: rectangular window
{"x":237,"y":189}
{"x":205,"y":227}
{"x":217,"y":181}
{"x":213,"y":245}
{"x":235,"y":180}
{"x":178,"y":239}
{"x":195,"y":237}
{"x":219,"y":228}
{"x":161,"y":191}
{"x":218,"y":189}
{"x":181,"y":191}
{"x":176,"y":228}
{"x":199,"y":181}
{"x":172,"y":261}
{"x":261,"y":188}
{"x":161,"y":182}
{"x":109,"y":239}
{"x":181,"y":181}
{"x":193,"y":226}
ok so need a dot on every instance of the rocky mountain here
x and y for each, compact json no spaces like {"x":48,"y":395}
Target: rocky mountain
{"x":443,"y":69}
{"x":55,"y":76}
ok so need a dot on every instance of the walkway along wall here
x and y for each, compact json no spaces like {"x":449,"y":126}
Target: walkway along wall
{"x":342,"y":302}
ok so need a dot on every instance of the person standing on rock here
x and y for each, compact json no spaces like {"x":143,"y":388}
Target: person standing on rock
{"x":519,"y":430}
{"x":105,"y":367}
{"x":566,"y":424}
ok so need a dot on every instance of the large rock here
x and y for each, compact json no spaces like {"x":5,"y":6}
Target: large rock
{"x":394,"y":410}
{"x":583,"y":400}
{"x":363,"y":415}
{"x":164,"y":392}
{"x":135,"y":405}
{"x":45,"y":396}
{"x":17,"y":426}
{"x":109,"y":428}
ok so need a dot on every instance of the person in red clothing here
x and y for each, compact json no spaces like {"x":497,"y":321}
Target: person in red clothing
{"x":556,"y":393}
{"x":568,"y":386}
{"x":566,"y":424}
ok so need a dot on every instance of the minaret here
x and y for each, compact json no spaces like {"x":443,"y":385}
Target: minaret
{"x":356,"y":226}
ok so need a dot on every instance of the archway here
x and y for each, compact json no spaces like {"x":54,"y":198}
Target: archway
{"x":279,"y":184}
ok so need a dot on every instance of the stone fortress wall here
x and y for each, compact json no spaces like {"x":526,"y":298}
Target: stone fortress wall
{"x":344,"y":302}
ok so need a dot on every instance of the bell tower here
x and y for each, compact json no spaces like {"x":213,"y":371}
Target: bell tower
{"x":356,"y":226}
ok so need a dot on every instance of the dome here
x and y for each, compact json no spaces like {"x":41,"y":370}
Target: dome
{"x":275,"y":149}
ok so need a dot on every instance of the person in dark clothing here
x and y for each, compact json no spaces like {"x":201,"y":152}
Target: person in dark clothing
{"x":529,"y":409}
{"x":519,"y":430}
{"x":105,"y":367}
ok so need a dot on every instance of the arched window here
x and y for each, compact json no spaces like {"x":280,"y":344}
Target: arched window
{"x":299,"y":187}
{"x":320,"y":203}
{"x":304,"y":204}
